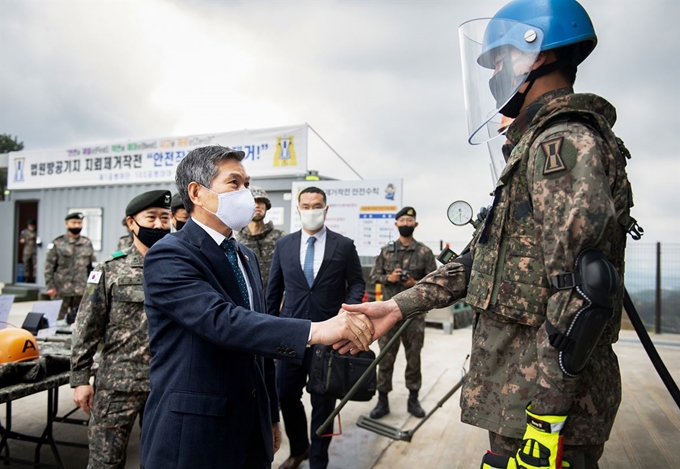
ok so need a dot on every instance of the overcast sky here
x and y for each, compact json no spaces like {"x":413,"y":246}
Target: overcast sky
{"x":379,"y":80}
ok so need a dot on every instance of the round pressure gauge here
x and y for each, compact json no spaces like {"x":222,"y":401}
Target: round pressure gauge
{"x":459,"y":213}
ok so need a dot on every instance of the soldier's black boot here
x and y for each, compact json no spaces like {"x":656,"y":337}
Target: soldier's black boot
{"x":382,"y":408}
{"x":413,"y":406}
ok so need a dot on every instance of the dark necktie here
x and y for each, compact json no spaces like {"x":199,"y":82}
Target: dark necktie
{"x":229,"y":247}
{"x":308,"y":268}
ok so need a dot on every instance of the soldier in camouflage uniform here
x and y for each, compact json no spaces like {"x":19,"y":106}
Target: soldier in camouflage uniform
{"x":69,"y":260}
{"x":112,"y":315}
{"x":179,"y":214}
{"x":126,"y":240}
{"x":260,"y":236}
{"x":28,"y":239}
{"x":564,"y":193}
{"x":398,"y":266}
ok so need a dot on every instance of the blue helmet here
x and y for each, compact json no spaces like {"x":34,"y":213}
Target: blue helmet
{"x":562,"y":23}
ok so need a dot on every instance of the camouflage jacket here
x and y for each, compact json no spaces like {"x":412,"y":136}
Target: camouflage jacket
{"x":112,"y":314}
{"x":416,"y":258}
{"x":68,"y":263}
{"x":29,"y":237}
{"x":262,"y":244}
{"x":125,"y":242}
{"x":563,"y":190}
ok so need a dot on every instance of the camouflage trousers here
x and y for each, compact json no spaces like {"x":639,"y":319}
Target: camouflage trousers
{"x":412,"y":338}
{"x":29,"y":259}
{"x":68,"y":302}
{"x":111,"y":421}
{"x":580,"y":457}
{"x":503,"y":377}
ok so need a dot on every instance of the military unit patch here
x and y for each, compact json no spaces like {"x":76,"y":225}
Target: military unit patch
{"x":553,"y":160}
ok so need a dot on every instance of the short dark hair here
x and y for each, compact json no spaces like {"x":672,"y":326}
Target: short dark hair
{"x":569,"y":56}
{"x":200,"y":165}
{"x":313,"y":190}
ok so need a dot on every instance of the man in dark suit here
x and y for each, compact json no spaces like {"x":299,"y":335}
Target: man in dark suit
{"x":213,"y":399}
{"x":317,"y":270}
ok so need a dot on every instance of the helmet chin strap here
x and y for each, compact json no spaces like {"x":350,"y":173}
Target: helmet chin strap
{"x":512,"y":108}
{"x":545,"y":69}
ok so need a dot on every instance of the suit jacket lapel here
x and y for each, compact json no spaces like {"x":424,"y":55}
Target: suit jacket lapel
{"x":293,"y":256}
{"x":331,"y":244}
{"x":221,"y":267}
{"x":248,"y":267}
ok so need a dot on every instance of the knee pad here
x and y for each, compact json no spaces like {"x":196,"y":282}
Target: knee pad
{"x":596,"y":279}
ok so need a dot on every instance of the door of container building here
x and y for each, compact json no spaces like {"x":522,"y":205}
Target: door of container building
{"x":25,"y":210}
{"x":9,"y":240}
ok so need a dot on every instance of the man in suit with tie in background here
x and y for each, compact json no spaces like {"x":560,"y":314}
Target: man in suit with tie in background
{"x":213,"y":399}
{"x":318,"y":270}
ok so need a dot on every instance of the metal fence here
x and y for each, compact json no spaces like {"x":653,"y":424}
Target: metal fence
{"x":653,"y":282}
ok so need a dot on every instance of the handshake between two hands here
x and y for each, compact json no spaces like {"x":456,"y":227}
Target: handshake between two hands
{"x":356,"y":326}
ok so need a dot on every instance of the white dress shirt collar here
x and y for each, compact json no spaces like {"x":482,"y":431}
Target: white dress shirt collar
{"x":320,"y":236}
{"x":216,"y":235}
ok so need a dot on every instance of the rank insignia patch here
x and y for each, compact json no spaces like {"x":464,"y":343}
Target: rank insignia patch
{"x":553,"y":161}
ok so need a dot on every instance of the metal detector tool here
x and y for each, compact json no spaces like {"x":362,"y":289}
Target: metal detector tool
{"x":383,"y":429}
{"x":322,"y":429}
{"x":647,"y":343}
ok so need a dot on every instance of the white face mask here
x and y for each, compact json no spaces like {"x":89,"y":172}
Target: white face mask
{"x":313,"y":219}
{"x":235,"y":209}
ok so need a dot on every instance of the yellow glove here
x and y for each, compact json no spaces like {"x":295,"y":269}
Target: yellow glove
{"x":541,"y":446}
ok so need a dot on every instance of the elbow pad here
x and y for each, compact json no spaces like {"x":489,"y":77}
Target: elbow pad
{"x":596,"y":279}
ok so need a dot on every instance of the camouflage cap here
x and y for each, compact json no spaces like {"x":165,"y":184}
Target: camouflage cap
{"x":158,"y":198}
{"x":259,"y":193}
{"x":74,"y":216}
{"x":406,"y":211}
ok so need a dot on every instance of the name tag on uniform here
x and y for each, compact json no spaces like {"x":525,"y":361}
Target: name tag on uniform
{"x":94,"y":277}
{"x":130,"y":281}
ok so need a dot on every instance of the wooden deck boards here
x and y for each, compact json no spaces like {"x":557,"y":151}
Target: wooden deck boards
{"x":646,"y":433}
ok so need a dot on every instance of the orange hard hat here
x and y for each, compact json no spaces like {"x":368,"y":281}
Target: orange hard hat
{"x":17,"y":345}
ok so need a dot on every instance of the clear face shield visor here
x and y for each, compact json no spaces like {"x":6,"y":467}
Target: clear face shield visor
{"x":497,"y":56}
{"x":499,"y":150}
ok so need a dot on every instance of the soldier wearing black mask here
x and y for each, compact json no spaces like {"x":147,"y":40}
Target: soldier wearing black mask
{"x":148,"y":218}
{"x":68,"y":262}
{"x":112,"y":319}
{"x":398,"y":267}
{"x":179,"y":214}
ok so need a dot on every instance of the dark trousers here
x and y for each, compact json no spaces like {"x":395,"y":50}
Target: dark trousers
{"x":291,"y":378}
{"x":68,"y":302}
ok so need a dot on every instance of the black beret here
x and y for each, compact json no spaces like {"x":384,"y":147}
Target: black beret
{"x":176,"y":202}
{"x":74,"y":216}
{"x":410,"y":211}
{"x":159,"y":198}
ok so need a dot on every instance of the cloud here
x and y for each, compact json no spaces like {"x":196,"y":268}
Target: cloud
{"x":380,"y":81}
